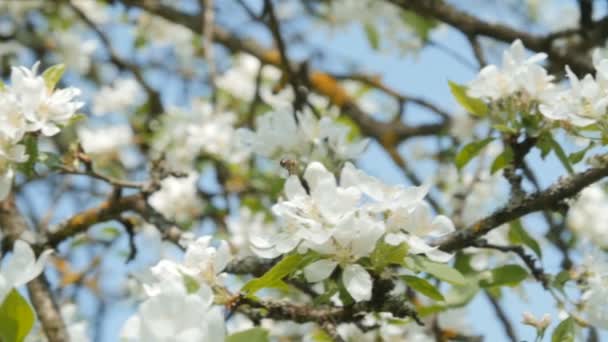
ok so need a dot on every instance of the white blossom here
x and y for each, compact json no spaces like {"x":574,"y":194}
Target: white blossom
{"x":279,"y":135}
{"x":75,"y":51}
{"x":178,"y":198}
{"x":44,"y":109}
{"x":240,"y":79}
{"x":21,"y":267}
{"x":118,"y":97}
{"x":93,"y":9}
{"x":588,"y":214}
{"x":176,"y":315}
{"x":595,"y":292}
{"x":105,"y":140}
{"x":336,"y":221}
{"x":519,"y":75}
{"x":186,"y":134}
{"x":246,"y":226}
{"x":582,"y":104}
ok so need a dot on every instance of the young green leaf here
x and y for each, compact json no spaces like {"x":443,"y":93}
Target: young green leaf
{"x":31,"y":148}
{"x":372,"y":36}
{"x":518,"y":235}
{"x":52,"y":75}
{"x":421,"y":25}
{"x":502,"y":160}
{"x":386,"y":254}
{"x":423,"y":286}
{"x":273,"y":278}
{"x":507,"y":275}
{"x":577,"y":157}
{"x":470,"y":104}
{"x":16,"y":318}
{"x":249,"y":335}
{"x":470,"y":151}
{"x":561,"y":155}
{"x":564,"y":332}
{"x":440,"y":271}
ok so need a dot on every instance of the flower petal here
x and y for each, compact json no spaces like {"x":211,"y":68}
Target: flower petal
{"x":357,"y":282}
{"x":319,"y":270}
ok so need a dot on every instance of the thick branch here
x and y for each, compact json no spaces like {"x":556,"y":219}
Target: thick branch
{"x":283,"y":310}
{"x":13,"y":224}
{"x":107,"y":210}
{"x":473,"y":26}
{"x":552,"y":197}
{"x":321,"y":82}
{"x":47,"y":310}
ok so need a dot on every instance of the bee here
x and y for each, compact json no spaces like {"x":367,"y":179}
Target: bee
{"x":291,"y":165}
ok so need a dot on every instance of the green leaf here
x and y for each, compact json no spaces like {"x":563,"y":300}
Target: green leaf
{"x":51,"y":160}
{"x":319,"y":335}
{"x":561,"y":279}
{"x":470,"y":151}
{"x":16,"y":318}
{"x":577,"y":157}
{"x":423,"y":286}
{"x":2,"y":86}
{"x":76,"y":118}
{"x":249,"y":335}
{"x":502,"y":160}
{"x":507,"y":275}
{"x":564,"y":332}
{"x":471,"y":104}
{"x":421,"y":25}
{"x":461,"y":295}
{"x":31,"y":148}
{"x":273,"y":278}
{"x":561,"y":155}
{"x":386,"y":254}
{"x":440,"y":271}
{"x":52,"y":75}
{"x":111,"y":232}
{"x":505,"y":129}
{"x":518,"y":235}
{"x":372,"y":36}
{"x":544,"y":144}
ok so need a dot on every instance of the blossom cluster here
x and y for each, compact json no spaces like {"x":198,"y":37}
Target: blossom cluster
{"x":302,"y":137}
{"x":521,"y":83}
{"x":343,"y":222}
{"x":185,"y":135}
{"x":30,"y":104}
{"x":183,"y":290}
{"x":588,"y":214}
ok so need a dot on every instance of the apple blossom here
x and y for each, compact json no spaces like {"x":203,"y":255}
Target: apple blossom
{"x":117,"y":97}
{"x":177,"y":198}
{"x":518,"y":76}
{"x":43,"y":108}
{"x":21,"y":267}
{"x":280,"y":134}
{"x":588,"y":213}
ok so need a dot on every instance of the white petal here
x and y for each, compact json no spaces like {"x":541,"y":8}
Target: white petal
{"x":22,"y":266}
{"x":317,"y":174}
{"x":418,"y":245}
{"x":215,"y":325}
{"x":357,"y":282}
{"x":131,"y":329}
{"x":222,"y":257}
{"x":293,"y":187}
{"x":319,"y":270}
{"x":394,"y":239}
{"x":6,"y":182}
{"x":438,"y":255}
{"x":442,"y":225}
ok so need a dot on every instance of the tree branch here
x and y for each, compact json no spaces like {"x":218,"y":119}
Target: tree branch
{"x":550,"y":198}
